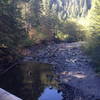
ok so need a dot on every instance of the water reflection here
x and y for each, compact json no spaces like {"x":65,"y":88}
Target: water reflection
{"x":51,"y":94}
{"x":30,"y":81}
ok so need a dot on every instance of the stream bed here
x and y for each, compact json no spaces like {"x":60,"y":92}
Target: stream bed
{"x":36,"y":81}
{"x":31,"y":81}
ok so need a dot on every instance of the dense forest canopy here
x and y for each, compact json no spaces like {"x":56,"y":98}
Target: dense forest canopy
{"x":71,"y":8}
{"x":61,"y":34}
{"x":93,"y":45}
{"x":26,"y":22}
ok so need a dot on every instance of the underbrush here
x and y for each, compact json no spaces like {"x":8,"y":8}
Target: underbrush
{"x":71,"y":31}
{"x":93,"y":50}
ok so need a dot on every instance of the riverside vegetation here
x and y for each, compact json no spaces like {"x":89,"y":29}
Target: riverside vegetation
{"x":33,"y":27}
{"x":24,"y":23}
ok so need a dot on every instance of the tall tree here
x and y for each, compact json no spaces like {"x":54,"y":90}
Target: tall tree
{"x":85,"y":8}
{"x":35,"y":7}
{"x":11,"y":30}
{"x":94,"y":27}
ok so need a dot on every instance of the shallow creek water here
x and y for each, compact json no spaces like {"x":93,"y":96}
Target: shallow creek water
{"x":37,"y":81}
{"x":32,"y":81}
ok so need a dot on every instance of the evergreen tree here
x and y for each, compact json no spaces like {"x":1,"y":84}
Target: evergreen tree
{"x":72,"y":8}
{"x":94,"y":27}
{"x":36,"y":8}
{"x":85,"y":8}
{"x":94,"y":17}
{"x":11,"y":31}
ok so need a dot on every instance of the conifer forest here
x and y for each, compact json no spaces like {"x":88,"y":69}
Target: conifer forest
{"x":50,"y":49}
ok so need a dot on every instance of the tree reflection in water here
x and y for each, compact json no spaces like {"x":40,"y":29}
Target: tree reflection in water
{"x":28,"y":80}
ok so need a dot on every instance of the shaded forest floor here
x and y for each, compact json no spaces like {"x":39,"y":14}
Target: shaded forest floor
{"x":71,"y":64}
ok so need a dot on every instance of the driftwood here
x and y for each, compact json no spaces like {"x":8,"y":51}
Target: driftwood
{"x":7,"y":60}
{"x":9,"y":68}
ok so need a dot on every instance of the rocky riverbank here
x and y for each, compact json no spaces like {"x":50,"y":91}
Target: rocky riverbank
{"x":72,"y":66}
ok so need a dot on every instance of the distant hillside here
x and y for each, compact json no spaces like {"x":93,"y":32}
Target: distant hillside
{"x":71,"y":8}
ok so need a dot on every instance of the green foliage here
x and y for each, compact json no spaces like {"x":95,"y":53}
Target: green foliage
{"x":93,"y":49}
{"x":61,"y":36}
{"x":70,"y":8}
{"x":74,"y":32}
{"x":36,"y":9}
{"x":27,"y":42}
{"x":93,"y":46}
{"x":11,"y":32}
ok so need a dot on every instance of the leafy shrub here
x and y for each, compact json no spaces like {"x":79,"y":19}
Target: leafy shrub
{"x":61,"y":36}
{"x":74,"y":32}
{"x":93,"y":41}
{"x":93,"y":49}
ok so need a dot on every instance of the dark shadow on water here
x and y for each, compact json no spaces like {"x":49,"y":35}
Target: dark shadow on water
{"x":31,"y":81}
{"x":36,"y":81}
